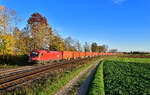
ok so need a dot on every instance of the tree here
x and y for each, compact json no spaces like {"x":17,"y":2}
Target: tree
{"x":41,"y":32}
{"x":94,"y":47}
{"x":103,"y":48}
{"x":57,"y":43}
{"x":16,"y":38}
{"x":24,"y":41}
{"x":113,"y":50}
{"x":78,"y":46}
{"x":7,"y":45}
{"x":86,"y":47}
{"x":7,"y":40}
{"x":69,"y":44}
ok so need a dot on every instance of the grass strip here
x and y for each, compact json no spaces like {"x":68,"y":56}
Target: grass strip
{"x":96,"y":86}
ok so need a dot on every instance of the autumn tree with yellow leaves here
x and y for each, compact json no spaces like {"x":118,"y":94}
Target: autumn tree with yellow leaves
{"x":7,"y":24}
{"x":57,"y":43}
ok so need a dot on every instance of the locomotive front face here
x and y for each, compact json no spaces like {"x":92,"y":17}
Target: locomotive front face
{"x":34,"y":57}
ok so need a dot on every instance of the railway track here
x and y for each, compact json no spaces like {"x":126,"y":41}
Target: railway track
{"x":15,"y":70}
{"x":12,"y":72}
{"x":10,"y":81}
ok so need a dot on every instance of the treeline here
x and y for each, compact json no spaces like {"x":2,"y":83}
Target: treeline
{"x":136,"y":52}
{"x":37,"y":34}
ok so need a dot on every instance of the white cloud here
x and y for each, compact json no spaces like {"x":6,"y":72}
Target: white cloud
{"x":118,"y":1}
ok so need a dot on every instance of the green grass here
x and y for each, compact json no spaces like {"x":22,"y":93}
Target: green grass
{"x":124,"y":76}
{"x":96,"y":86}
{"x":125,"y":59}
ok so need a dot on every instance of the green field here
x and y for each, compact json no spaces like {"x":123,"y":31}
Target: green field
{"x":131,"y":60}
{"x":124,"y":76}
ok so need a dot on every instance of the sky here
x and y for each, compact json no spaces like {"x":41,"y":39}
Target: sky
{"x":121,"y":24}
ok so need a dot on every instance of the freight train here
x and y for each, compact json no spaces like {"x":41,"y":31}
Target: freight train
{"x":43,"y":56}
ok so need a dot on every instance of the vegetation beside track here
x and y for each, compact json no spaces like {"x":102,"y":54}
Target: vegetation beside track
{"x":127,"y":76}
{"x":74,"y":90}
{"x":14,"y":61}
{"x":96,"y":86}
{"x":60,"y":82}
{"x":52,"y":84}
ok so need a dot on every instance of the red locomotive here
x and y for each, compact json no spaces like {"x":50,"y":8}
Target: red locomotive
{"x":42,"y":56}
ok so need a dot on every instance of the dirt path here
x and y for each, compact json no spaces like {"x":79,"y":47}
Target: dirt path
{"x":84,"y":86}
{"x":83,"y":89}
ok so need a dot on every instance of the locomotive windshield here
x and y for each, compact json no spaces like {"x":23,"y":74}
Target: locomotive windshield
{"x":34,"y":54}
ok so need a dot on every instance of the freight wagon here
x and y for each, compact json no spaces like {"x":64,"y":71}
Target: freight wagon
{"x":42,"y":56}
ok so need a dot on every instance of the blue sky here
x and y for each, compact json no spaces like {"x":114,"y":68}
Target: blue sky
{"x":121,"y":24}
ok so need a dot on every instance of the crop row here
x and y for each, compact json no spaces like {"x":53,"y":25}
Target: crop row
{"x":126,"y":78}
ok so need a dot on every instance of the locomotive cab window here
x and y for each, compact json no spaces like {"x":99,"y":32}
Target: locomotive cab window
{"x":34,"y":54}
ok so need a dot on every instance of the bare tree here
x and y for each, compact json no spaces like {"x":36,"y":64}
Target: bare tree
{"x":69,"y":44}
{"x":77,"y":45}
{"x":86,"y":47}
